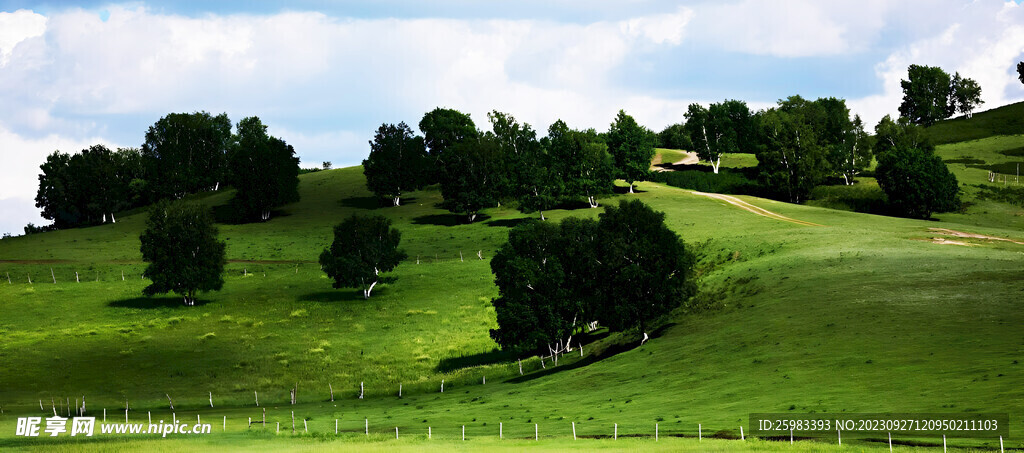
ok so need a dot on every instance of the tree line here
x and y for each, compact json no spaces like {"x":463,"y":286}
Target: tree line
{"x":183,"y":153}
{"x":478,"y":169}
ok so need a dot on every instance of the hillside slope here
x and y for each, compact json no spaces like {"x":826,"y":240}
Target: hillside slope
{"x":1004,"y":120}
{"x":863,"y":314}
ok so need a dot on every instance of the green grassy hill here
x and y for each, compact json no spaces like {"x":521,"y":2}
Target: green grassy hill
{"x":1005,"y":120}
{"x":863,"y":314}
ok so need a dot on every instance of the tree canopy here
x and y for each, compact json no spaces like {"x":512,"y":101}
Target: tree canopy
{"x":725,"y":127}
{"x":397,"y":162}
{"x":88,"y":187}
{"x":623,"y":270}
{"x":790,"y":160}
{"x":675,"y":136}
{"x":186,"y":153}
{"x":180,"y":244}
{"x":263,"y":169}
{"x":917,"y":182}
{"x":1020,"y":71}
{"x":472,"y":176}
{"x":632,"y":147}
{"x":578,"y":163}
{"x":363,"y":248}
{"x":930,"y":95}
{"x":964,"y":95}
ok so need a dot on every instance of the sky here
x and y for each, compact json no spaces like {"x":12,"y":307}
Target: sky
{"x":323,"y":75}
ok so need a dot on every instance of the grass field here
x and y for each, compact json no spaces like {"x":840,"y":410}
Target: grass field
{"x":1004,"y":120}
{"x":863,"y":314}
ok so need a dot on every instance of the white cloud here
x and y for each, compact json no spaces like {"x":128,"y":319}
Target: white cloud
{"x":16,"y":27}
{"x":981,"y":40}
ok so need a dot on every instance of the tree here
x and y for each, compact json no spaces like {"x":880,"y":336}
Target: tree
{"x":180,"y":244}
{"x":532,"y":306}
{"x":55,"y":190}
{"x":398,"y":161}
{"x":632,"y":148}
{"x":646,"y":268}
{"x":790,"y":159}
{"x":925,"y":95}
{"x":1020,"y":71}
{"x":578,"y":163}
{"x":442,"y":128}
{"x":675,"y":136}
{"x":890,"y":135}
{"x":917,"y":182}
{"x":363,"y":248}
{"x":725,"y":127}
{"x":531,"y":177}
{"x":264,"y":171}
{"x":853,"y":154}
{"x":472,"y":176}
{"x":83,"y":188}
{"x":964,"y":95}
{"x":186,"y":153}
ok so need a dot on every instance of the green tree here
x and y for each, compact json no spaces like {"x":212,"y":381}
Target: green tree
{"x":264,"y":171}
{"x":533,"y":306}
{"x":363,"y":248}
{"x":397,"y":162}
{"x":531,"y":176}
{"x":646,"y":269}
{"x":186,"y":153}
{"x":1020,"y":71}
{"x":472,"y":176}
{"x":917,"y":182}
{"x":925,"y":95}
{"x":790,"y":159}
{"x":964,"y":95}
{"x":632,"y":148}
{"x":725,"y":127}
{"x":83,"y":188}
{"x":890,"y":135}
{"x":675,"y":136}
{"x":443,"y":128}
{"x":578,"y":162}
{"x":180,"y":244}
{"x":54,"y":194}
{"x":853,"y":154}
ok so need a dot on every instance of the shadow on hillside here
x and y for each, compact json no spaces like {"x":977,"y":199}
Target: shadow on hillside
{"x":619,"y":190}
{"x":226,"y":214}
{"x":337,"y":295}
{"x":361,"y":202}
{"x":154,"y":302}
{"x":509,"y":223}
{"x":467,"y":361}
{"x":446,"y":219}
{"x":596,"y":353}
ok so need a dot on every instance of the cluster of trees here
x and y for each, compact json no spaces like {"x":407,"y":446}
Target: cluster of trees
{"x":509,"y":163}
{"x":930,"y":95}
{"x":622,"y":271}
{"x":183,"y":153}
{"x":915,"y":180}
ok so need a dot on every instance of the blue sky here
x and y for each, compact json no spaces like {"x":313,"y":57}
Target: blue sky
{"x":323,"y":75}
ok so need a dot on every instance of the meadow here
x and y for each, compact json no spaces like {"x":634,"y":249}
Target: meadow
{"x":863,"y":314}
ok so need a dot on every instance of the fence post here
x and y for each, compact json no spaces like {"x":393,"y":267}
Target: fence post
{"x":501,"y":431}
{"x":428,"y":432}
{"x":536,"y":432}
{"x":616,"y":434}
{"x":463,"y":432}
{"x":741,"y":433}
{"x":655,"y":432}
{"x":367,"y":427}
{"x":573,"y":430}
{"x":700,"y":436}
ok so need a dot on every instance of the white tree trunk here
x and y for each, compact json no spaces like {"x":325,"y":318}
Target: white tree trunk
{"x":112,"y":219}
{"x":396,"y":201}
{"x":717,"y":163}
{"x":542,"y":215}
{"x":631,"y":188}
{"x":366,"y":294}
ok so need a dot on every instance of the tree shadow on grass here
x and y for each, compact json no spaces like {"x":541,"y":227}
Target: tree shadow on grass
{"x":446,"y":219}
{"x":336,"y":295}
{"x":510,"y":223}
{"x":226,"y":214}
{"x":154,"y":302}
{"x":484,"y":358}
{"x":361,"y":202}
{"x":620,"y":190}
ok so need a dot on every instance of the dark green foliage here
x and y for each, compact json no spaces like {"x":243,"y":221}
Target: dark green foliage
{"x":578,"y":163}
{"x":180,"y":244}
{"x":964,"y":96}
{"x":725,"y":127}
{"x":472,"y":176}
{"x":1020,"y":71}
{"x":675,"y":136}
{"x":32,"y":229}
{"x":264,"y":171}
{"x":442,"y":128}
{"x":646,"y":269}
{"x":530,"y":177}
{"x":363,"y":248}
{"x":1007,"y":194}
{"x":901,"y":133}
{"x":1005,"y":168}
{"x":397,"y":162}
{"x":623,"y":271}
{"x":868,"y":198}
{"x":727,"y":181}
{"x":186,"y":153}
{"x":917,"y":182}
{"x":89,"y":187}
{"x":632,"y":147}
{"x":791,"y":159}
{"x":925,"y":95}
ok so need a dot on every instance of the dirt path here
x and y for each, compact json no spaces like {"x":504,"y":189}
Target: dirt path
{"x":658,"y":165}
{"x":961,"y":234}
{"x":754,"y":209}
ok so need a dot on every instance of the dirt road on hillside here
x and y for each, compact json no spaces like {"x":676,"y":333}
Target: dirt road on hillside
{"x":658,"y":165}
{"x":754,"y":209}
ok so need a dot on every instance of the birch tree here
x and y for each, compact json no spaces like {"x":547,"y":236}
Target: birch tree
{"x":725,"y":127}
{"x":186,"y":153}
{"x":364,"y":248}
{"x":632,"y":147}
{"x":472,"y":176}
{"x":264,"y":171}
{"x":180,"y":244}
{"x":397,"y":162}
